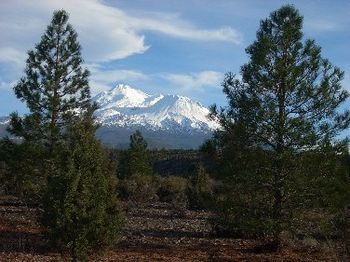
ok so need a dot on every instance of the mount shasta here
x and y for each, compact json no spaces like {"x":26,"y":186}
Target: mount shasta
{"x":169,"y":121}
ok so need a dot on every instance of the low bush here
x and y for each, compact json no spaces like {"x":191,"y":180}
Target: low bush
{"x":138,"y":188}
{"x":199,"y":189}
{"x":20,"y":174}
{"x":171,"y":188}
{"x":141,"y":189}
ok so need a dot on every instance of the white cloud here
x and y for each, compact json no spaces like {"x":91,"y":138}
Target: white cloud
{"x":197,"y":80}
{"x":111,"y":76}
{"x":12,"y":55}
{"x":175,"y":27}
{"x":105,"y":32}
{"x":6,"y":86}
{"x":321,"y":25}
{"x":97,"y":87}
{"x":102,"y":79}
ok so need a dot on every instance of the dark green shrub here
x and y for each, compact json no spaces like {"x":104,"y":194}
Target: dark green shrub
{"x":239,"y":215}
{"x":22,"y":175}
{"x":199,"y":189}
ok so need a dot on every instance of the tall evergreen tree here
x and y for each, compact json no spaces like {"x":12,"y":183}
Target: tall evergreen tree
{"x":286,"y":104}
{"x":55,"y":86}
{"x":81,"y":211}
{"x":136,"y":160}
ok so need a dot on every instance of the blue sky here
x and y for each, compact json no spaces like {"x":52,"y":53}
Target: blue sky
{"x":162,"y":46}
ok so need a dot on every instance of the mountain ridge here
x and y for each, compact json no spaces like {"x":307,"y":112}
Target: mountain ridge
{"x":166,"y":121}
{"x":125,"y":106}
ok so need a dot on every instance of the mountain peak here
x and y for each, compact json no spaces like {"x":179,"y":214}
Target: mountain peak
{"x":124,"y":89}
{"x":121,"y":96}
{"x":127,"y":91}
{"x":124,"y":106}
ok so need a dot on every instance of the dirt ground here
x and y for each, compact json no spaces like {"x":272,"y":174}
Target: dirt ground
{"x":155,"y":232}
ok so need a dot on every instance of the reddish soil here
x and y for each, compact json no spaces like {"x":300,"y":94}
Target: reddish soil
{"x":152,"y":233}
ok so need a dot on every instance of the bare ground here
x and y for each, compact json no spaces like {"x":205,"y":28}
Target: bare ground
{"x":155,"y":232}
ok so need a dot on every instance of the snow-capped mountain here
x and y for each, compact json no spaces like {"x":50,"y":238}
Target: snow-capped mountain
{"x":4,"y":120}
{"x":124,"y":106}
{"x":166,"y":121}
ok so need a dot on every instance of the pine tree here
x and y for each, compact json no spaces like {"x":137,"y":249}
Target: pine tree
{"x":286,"y":104}
{"x":136,"y":160}
{"x":55,"y":86}
{"x":81,"y":211}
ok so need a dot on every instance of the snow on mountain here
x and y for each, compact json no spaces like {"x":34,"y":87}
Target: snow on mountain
{"x":4,"y":120}
{"x":124,"y":106}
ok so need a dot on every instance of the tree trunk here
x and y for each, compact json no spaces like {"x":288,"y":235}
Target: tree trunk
{"x":277,"y":214}
{"x":278,"y":175}
{"x":55,"y":103}
{"x":74,"y":252}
